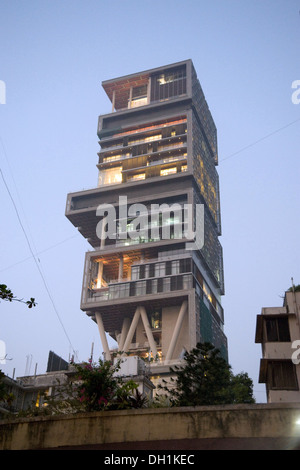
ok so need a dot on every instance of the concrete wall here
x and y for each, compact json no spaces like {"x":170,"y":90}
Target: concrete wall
{"x":265,"y":426}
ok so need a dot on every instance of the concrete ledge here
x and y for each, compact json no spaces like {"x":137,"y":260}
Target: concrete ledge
{"x":231,"y":426}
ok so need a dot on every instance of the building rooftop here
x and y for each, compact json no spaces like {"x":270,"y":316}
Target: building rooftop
{"x":118,"y":89}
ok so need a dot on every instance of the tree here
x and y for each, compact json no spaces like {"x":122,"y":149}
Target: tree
{"x":206,"y":379}
{"x":6,"y":397}
{"x":294,"y":288}
{"x":6,"y":294}
{"x":99,"y":388}
{"x":91,"y":387}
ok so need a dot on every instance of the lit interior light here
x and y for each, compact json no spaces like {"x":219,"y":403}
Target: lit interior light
{"x":298,"y":422}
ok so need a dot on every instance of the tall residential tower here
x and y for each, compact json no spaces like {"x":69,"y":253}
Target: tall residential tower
{"x":143,"y":284}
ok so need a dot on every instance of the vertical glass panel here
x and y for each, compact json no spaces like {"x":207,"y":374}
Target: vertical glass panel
{"x":135,"y":272}
{"x":167,"y":284}
{"x":140,"y":288}
{"x":160,"y":269}
{"x":175,"y":267}
{"x":110,"y":176}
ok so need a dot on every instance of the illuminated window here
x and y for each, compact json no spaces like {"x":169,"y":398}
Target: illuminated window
{"x":138,"y":176}
{"x":183,"y":167}
{"x":110,"y":176}
{"x":139,"y":96}
{"x":138,"y":102}
{"x":112,"y":158}
{"x":168,"y":171}
{"x":155,"y":319}
{"x":150,"y":138}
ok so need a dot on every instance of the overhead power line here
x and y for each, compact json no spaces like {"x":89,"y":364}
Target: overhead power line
{"x":38,"y":253}
{"x":36,"y":262}
{"x":259,"y":140}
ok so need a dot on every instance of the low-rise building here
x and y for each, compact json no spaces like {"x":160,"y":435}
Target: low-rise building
{"x":31,"y":390}
{"x":278,"y":331}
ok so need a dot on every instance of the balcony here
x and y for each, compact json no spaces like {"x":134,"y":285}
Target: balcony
{"x":110,"y":156}
{"x":122,"y":290}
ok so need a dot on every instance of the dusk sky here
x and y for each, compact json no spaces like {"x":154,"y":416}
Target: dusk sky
{"x":53,"y":57}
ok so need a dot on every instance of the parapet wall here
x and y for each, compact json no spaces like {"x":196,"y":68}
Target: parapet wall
{"x":263,"y":426}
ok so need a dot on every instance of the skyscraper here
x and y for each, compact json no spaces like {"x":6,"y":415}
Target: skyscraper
{"x":154,"y":279}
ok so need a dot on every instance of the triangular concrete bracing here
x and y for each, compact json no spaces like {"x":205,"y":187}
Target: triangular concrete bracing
{"x":139,"y":313}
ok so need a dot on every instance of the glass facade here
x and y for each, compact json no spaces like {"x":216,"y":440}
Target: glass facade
{"x":168,"y":84}
{"x":152,"y":151}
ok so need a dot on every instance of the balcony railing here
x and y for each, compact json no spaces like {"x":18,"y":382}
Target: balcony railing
{"x":121,"y":290}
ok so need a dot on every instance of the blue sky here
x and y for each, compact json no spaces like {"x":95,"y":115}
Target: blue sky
{"x":53,"y":57}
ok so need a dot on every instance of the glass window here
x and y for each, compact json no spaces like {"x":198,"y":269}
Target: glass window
{"x":140,"y":288}
{"x":155,"y":319}
{"x":142,"y":271}
{"x":168,"y":171}
{"x":151,"y":270}
{"x":110,"y":176}
{"x":160,"y":269}
{"x":167,"y":284}
{"x":137,"y":177}
{"x":187,"y":282}
{"x":277,"y":329}
{"x":135,"y":272}
{"x":151,"y":286}
{"x":175,"y":267}
{"x":149,"y":138}
{"x":168,"y":267}
{"x":139,"y":96}
{"x":124,"y":290}
{"x":168,"y":84}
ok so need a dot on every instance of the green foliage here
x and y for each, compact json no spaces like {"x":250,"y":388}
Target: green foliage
{"x":206,"y":379}
{"x":5,"y":396}
{"x":100,"y":389}
{"x":93,"y":387}
{"x":6,"y":294}
{"x":294,"y":288}
{"x":2,"y":387}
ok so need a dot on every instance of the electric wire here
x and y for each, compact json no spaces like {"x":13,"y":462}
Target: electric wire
{"x":259,"y":140}
{"x":38,"y":253}
{"x":36,"y":262}
{"x":17,"y":192}
{"x":28,"y":242}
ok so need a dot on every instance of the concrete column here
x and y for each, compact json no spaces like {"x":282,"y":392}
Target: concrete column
{"x":102,"y":335}
{"x":100,"y":273}
{"x":148,"y":331}
{"x":102,"y":241}
{"x":124,"y":332}
{"x":132,"y":329}
{"x":130,"y":97}
{"x":121,"y":264}
{"x":149,"y":91}
{"x":176,"y":331}
{"x":113,"y":101}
